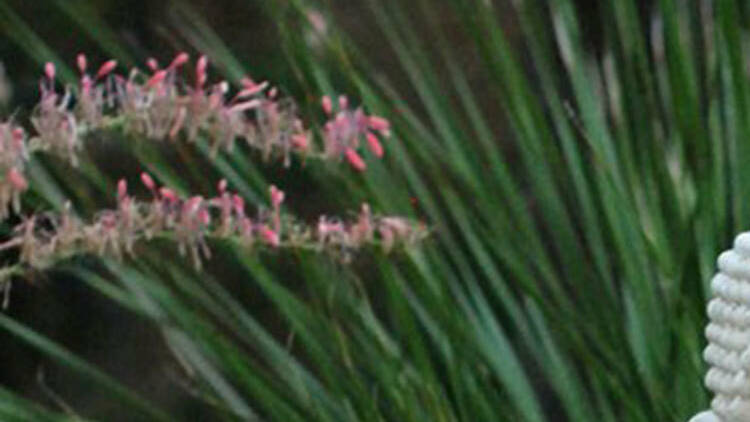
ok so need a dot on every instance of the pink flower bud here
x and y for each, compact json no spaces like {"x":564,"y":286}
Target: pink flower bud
{"x":326,"y":103}
{"x":355,"y":160}
{"x":277,"y":196}
{"x":49,"y":70}
{"x":106,"y":68}
{"x":122,"y":189}
{"x":325,"y":228}
{"x":156,"y":79}
{"x":343,"y":102}
{"x":251,"y":88}
{"x":148,"y":181}
{"x":247,"y":105}
{"x":152,"y":64}
{"x":81,"y":61}
{"x":179,"y":60}
{"x":222,"y":186}
{"x":168,"y":194}
{"x":16,"y":180}
{"x":270,"y":236}
{"x":200,"y":71}
{"x":374,"y":144}
{"x":247,"y":82}
{"x":380,"y":124}
{"x":300,"y":141}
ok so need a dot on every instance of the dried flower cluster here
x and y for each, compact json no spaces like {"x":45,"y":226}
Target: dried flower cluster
{"x":46,"y":238}
{"x":343,"y":132}
{"x":157,"y":104}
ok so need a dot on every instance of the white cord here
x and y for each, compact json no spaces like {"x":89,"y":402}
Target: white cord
{"x":728,"y":334}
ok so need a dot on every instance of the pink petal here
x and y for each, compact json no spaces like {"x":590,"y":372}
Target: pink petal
{"x":152,"y":64}
{"x":179,"y":60}
{"x":277,"y":196}
{"x":106,"y":68}
{"x":300,"y":141}
{"x":270,"y":236}
{"x":81,"y":61}
{"x":122,"y":188}
{"x":355,"y":160}
{"x":168,"y":194}
{"x":374,"y":144}
{"x":327,"y":105}
{"x":148,"y":181}
{"x":156,"y":79}
{"x":200,"y":71}
{"x":49,"y":70}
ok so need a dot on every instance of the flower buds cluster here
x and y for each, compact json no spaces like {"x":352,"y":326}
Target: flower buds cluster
{"x":346,"y":128}
{"x":157,"y":104}
{"x":44,"y":239}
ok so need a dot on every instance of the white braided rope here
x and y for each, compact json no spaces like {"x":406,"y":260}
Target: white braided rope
{"x":728,"y":334}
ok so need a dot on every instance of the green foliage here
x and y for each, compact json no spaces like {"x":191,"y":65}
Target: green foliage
{"x":569,"y":266}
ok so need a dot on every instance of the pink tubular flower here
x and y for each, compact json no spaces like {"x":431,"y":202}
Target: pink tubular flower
{"x":179,"y":60}
{"x":157,"y":78}
{"x":300,"y":141}
{"x":16,"y":179}
{"x":355,"y":160}
{"x":81,"y":61}
{"x":168,"y":194}
{"x":247,"y":105}
{"x":222,"y":186}
{"x":106,"y":68}
{"x":152,"y":64}
{"x":250,"y":88}
{"x":374,"y":144}
{"x":148,"y":181}
{"x":380,"y":124}
{"x":270,"y":236}
{"x":200,"y":71}
{"x":343,"y":102}
{"x":327,"y":105}
{"x":122,"y":189}
{"x":49,"y":70}
{"x":325,"y":227}
{"x":277,"y":196}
